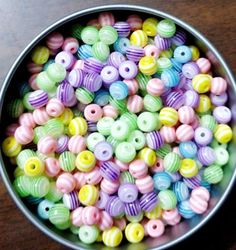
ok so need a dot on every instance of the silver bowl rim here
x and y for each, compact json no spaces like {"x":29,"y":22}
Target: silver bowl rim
{"x":37,"y":222}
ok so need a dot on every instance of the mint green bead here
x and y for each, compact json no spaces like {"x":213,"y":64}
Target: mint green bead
{"x":147,"y":121}
{"x":152,"y":103}
{"x":137,"y":139}
{"x":67,"y":161}
{"x":84,"y":96}
{"x":172,"y":162}
{"x":76,"y":30}
{"x":120,"y":105}
{"x":120,"y":130}
{"x":39,"y":132}
{"x":89,"y":35}
{"x":23,"y":156}
{"x":26,"y":103}
{"x":163,"y":63}
{"x":208,"y":121}
{"x":56,"y":72}
{"x":39,"y":186}
{"x":213,"y":174}
{"x":125,"y":152}
{"x":93,"y":139}
{"x":101,"y":51}
{"x":21,"y":186}
{"x":74,"y":229}
{"x":54,"y":127}
{"x":59,"y":214}
{"x":114,"y":143}
{"x":54,"y":194}
{"x":136,"y":218}
{"x":44,"y":82}
{"x":108,"y":35}
{"x":88,"y":234}
{"x":142,"y":80}
{"x":167,"y":199}
{"x":126,"y":177}
{"x":52,"y":93}
{"x":222,"y":156}
{"x":163,"y":151}
{"x":104,"y":125}
{"x":166,"y":28}
{"x":167,"y":53}
{"x":15,"y":108}
{"x":130,"y":119}
{"x":63,"y":226}
{"x":215,"y":144}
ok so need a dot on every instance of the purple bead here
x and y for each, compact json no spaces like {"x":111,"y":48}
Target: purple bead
{"x":115,"y":206}
{"x":128,"y":192}
{"x":93,"y":65}
{"x":92,"y":82}
{"x":135,"y":53}
{"x":166,"y":93}
{"x":206,"y":156}
{"x":175,"y":99}
{"x":71,"y":200}
{"x":102,"y":200}
{"x":71,"y":103}
{"x":123,"y":29}
{"x":115,"y":59}
{"x":65,"y":92}
{"x":174,"y":176}
{"x":162,"y":43}
{"x":110,"y":171}
{"x":182,"y":82}
{"x":188,"y":85}
{"x":193,"y":182}
{"x":190,"y":70}
{"x":38,"y":98}
{"x":154,"y":140}
{"x":103,"y":151}
{"x":133,"y":208}
{"x":191,"y":98}
{"x":66,"y":59}
{"x":128,"y":70}
{"x":62,"y":144}
{"x":109,"y":74}
{"x":203,"y":136}
{"x":222,"y":114}
{"x":179,"y":38}
{"x":219,"y":100}
{"x":92,"y":126}
{"x":75,"y":78}
{"x":148,"y":201}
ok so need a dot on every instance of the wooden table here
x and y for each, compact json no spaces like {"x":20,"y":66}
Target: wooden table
{"x":21,"y":21}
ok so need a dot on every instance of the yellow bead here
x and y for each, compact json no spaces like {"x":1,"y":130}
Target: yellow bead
{"x":168,"y":116}
{"x":195,"y":52}
{"x":139,"y":38}
{"x":204,"y":104}
{"x":34,"y":166}
{"x":134,"y":232}
{"x":167,"y":53}
{"x":11,"y":147}
{"x":202,"y":83}
{"x":155,"y":213}
{"x":223,"y":133}
{"x":40,"y":54}
{"x":78,"y":126}
{"x":85,"y":161}
{"x":148,"y":65}
{"x":112,"y":237}
{"x":99,"y":238}
{"x":150,"y":26}
{"x":18,"y":172}
{"x":188,"y":168}
{"x":148,"y":156}
{"x":66,"y":116}
{"x":88,"y":195}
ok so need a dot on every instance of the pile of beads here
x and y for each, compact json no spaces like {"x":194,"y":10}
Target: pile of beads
{"x":120,"y":130}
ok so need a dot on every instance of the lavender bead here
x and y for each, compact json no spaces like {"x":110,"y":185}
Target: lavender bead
{"x":103,"y":151}
{"x":92,"y":82}
{"x":71,"y":200}
{"x":133,"y":208}
{"x":128,"y":70}
{"x":93,"y":65}
{"x":110,"y":171}
{"x":38,"y":98}
{"x":179,"y":38}
{"x":188,"y":85}
{"x":175,"y":99}
{"x":71,"y":103}
{"x":166,"y":93}
{"x":115,"y":206}
{"x":174,"y":176}
{"x":154,"y":140}
{"x":128,"y":192}
{"x":162,"y":43}
{"x":102,"y":200}
{"x":190,"y":70}
{"x":191,"y":98}
{"x":123,"y":29}
{"x":75,"y":78}
{"x":148,"y":201}
{"x":206,"y":155}
{"x":203,"y":136}
{"x":65,"y":92}
{"x":193,"y":182}
{"x":115,"y":59}
{"x":92,"y":126}
{"x":62,"y":144}
{"x":135,"y":53}
{"x":219,"y":100}
{"x":109,"y":74}
{"x":66,"y":59}
{"x":222,"y":114}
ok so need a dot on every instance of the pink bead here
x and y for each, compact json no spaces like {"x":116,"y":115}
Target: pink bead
{"x":155,"y":87}
{"x":195,"y":123}
{"x":34,"y":68}
{"x":10,"y":131}
{"x":80,"y":180}
{"x":120,"y":223}
{"x":55,"y":107}
{"x":132,"y":86}
{"x":168,"y":134}
{"x":186,"y":114}
{"x":135,"y":103}
{"x":184,"y":133}
{"x":109,"y":187}
{"x":105,"y":222}
{"x":93,"y":112}
{"x":204,"y":65}
{"x":110,"y":111}
{"x":71,"y":45}
{"x":144,"y":224}
{"x":94,"y":22}
{"x":122,"y":165}
{"x":138,"y":169}
{"x":94,"y":177}
{"x":27,"y":119}
{"x":218,"y":85}
{"x":79,"y":64}
{"x":52,"y":167}
{"x":158,"y":167}
{"x":176,"y":150}
{"x":145,"y":184}
{"x":66,"y":183}
{"x":106,"y":19}
{"x":54,"y":40}
{"x":40,"y":116}
{"x":24,"y":134}
{"x":47,"y":145}
{"x":199,"y":200}
{"x":76,"y":217}
{"x":171,"y":217}
{"x":90,"y":215}
{"x":152,"y":50}
{"x":32,"y":82}
{"x":155,"y":228}
{"x":77,"y":144}
{"x":135,"y":22}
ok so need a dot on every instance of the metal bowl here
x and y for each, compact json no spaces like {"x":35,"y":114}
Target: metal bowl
{"x":172,"y":235}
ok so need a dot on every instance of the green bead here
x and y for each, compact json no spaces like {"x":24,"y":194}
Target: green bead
{"x":93,"y":139}
{"x":77,"y":112}
{"x":163,"y":151}
{"x":114,"y":143}
{"x":167,"y":53}
{"x":104,"y":125}
{"x":39,"y":186}
{"x":39,"y":132}
{"x":172,"y":162}
{"x":54,"y":194}
{"x":63,"y":226}
{"x":15,"y":108}
{"x":44,"y":82}
{"x":213,"y":174}
{"x":222,"y":156}
{"x":137,"y":138}
{"x":166,"y":28}
{"x":23,"y":156}
{"x":152,"y":103}
{"x":67,"y":161}
{"x":136,"y":218}
{"x":84,"y":96}
{"x":108,"y":35}
{"x":21,"y":185}
{"x":88,"y":234}
{"x":56,"y":72}
{"x":208,"y":121}
{"x":142,"y":80}
{"x":215,"y":144}
{"x":26,"y":103}
{"x":147,"y":121}
{"x":130,"y":119}
{"x":125,"y":152}
{"x":54,"y":127}
{"x":100,"y":51}
{"x":76,"y":30}
{"x":120,"y":130}
{"x":163,"y":63}
{"x":89,"y":35}
{"x":18,"y":172}
{"x":43,"y":157}
{"x":120,"y":105}
{"x":167,"y":199}
{"x":74,"y":229}
{"x":59,"y":214}
{"x":126,"y":177}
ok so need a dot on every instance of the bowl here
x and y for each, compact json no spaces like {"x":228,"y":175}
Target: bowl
{"x":172,"y":235}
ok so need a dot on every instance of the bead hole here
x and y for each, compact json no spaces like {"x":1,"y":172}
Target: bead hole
{"x":108,"y":72}
{"x":127,"y":69}
{"x":93,"y":111}
{"x":104,"y":152}
{"x":47,"y":209}
{"x":202,"y":134}
{"x":154,"y":226}
{"x":63,"y":60}
{"x":182,"y":53}
{"x":32,"y":166}
{"x":136,"y":140}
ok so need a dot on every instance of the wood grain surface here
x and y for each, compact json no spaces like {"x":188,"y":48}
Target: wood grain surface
{"x":22,"y":20}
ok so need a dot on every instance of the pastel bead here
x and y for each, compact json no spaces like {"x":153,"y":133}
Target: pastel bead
{"x":167,"y":199}
{"x":151,"y":50}
{"x":137,"y":138}
{"x":90,"y":215}
{"x":147,"y":121}
{"x":186,"y":114}
{"x":39,"y":186}
{"x":139,"y":38}
{"x":56,"y":72}
{"x":145,"y":184}
{"x":204,"y":104}
{"x":112,"y":237}
{"x":138,"y":169}
{"x":181,"y":191}
{"x":135,"y":22}
{"x":88,"y":234}
{"x":52,"y":167}
{"x":76,"y":144}
{"x":168,"y":116}
{"x":47,"y":145}
{"x":118,"y":90}
{"x":183,"y":54}
{"x":168,"y":134}
{"x":110,"y":111}
{"x":11,"y":147}
{"x":218,"y":85}
{"x":135,"y":104}
{"x":119,"y":130}
{"x":188,"y":168}
{"x":154,"y":140}
{"x":155,"y":228}
{"x":213,"y":174}
{"x":71,"y":200}
{"x":184,"y":132}
{"x":66,"y":182}
{"x":59,"y":214}
{"x":202,"y":83}
{"x":134,"y":232}
{"x":166,"y":28}
{"x":88,"y":195}
{"x":110,"y":171}
{"x":161,"y":180}
{"x":152,"y":103}
{"x":222,"y":155}
{"x":125,"y":152}
{"x":155,"y":87}
{"x":185,"y":210}
{"x":222,"y":114}
{"x":223,"y":133}
{"x":128,"y":192}
{"x":76,"y":217}
{"x":78,"y":126}
{"x":85,"y":161}
{"x":100,"y":51}
{"x":172,"y":162}
{"x":43,"y":209}
{"x":109,"y":187}
{"x":40,"y":55}
{"x":54,"y":40}
{"x":188,"y":149}
{"x":24,"y":134}
{"x":199,"y":200}
{"x":147,"y":65}
{"x":171,"y":217}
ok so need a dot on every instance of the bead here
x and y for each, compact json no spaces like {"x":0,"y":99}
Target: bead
{"x":40,"y":116}
{"x":126,"y":177}
{"x":109,"y":187}
{"x":204,"y":104}
{"x":70,"y":44}
{"x":138,"y":169}
{"x":84,"y":96}
{"x":183,"y":54}
{"x":145,"y":184}
{"x":218,"y":85}
{"x":155,"y":228}
{"x":40,"y":55}
{"x":203,"y":136}
{"x":23,"y":135}
{"x":135,"y":104}
{"x":102,"y":200}
{"x":125,"y":152}
{"x":185,"y":209}
{"x":219,"y":100}
{"x":43,"y":209}
{"x":148,"y":65}
{"x":110,"y":171}
{"x":66,"y":59}
{"x":115,"y":207}
{"x":67,"y":161}
{"x":171,"y":217}
{"x":47,"y":145}
{"x":175,"y":100}
{"x":75,"y":77}
{"x":130,"y":119}
{"x":103,"y":151}
{"x":134,"y":232}
{"x":89,"y":35}
{"x":21,"y":186}
{"x":128,"y":70}
{"x":186,"y":114}
{"x":223,"y":133}
{"x":106,"y":19}
{"x":78,"y":126}
{"x":118,"y":90}
{"x":222,"y":114}
{"x":172,"y":162}
{"x":155,"y":87}
{"x":85,"y":161}
{"x":56,"y":72}
{"x":188,"y":168}
{"x":208,"y":121}
{"x":54,"y":127}
{"x":54,"y":40}
{"x":154,"y":140}
{"x":199,"y":200}
{"x":137,"y":138}
{"x":88,"y":195}
{"x":88,"y":234}
{"x":191,"y":98}
{"x":184,"y":132}
{"x":128,"y":192}
{"x":135,"y":22}
{"x":168,"y":116}
{"x":151,"y":50}
{"x":100,"y":51}
{"x":123,"y":29}
{"x":52,"y":167}
{"x":191,"y":70}
{"x":76,"y":217}
{"x":222,"y":156}
{"x":133,"y":211}
{"x":147,"y":121}
{"x":11,"y":147}
{"x":66,"y":182}
{"x":166,"y":28}
{"x":202,"y":83}
{"x":167,"y":199}
{"x":188,"y":149}
{"x":91,"y":215}
{"x":181,"y":191}
{"x":112,"y":237}
{"x":162,"y":43}
{"x":170,"y":78}
{"x":71,"y":200}
{"x":152,"y":103}
{"x":38,"y":98}
{"x":139,"y":38}
{"x":161,"y":180}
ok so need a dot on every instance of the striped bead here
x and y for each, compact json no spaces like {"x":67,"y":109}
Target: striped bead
{"x":188,"y":168}
{"x":163,"y":151}
{"x":168,"y":116}
{"x":179,"y":38}
{"x":172,"y":162}
{"x":148,"y":65}
{"x":59,"y":214}
{"x":71,"y":200}
{"x":162,"y":43}
{"x":67,"y":161}
{"x":84,"y":96}
{"x":170,"y":78}
{"x":126,"y":177}
{"x":167,"y":199}
{"x":134,"y":232}
{"x":88,"y":195}
{"x":185,"y":210}
{"x":148,"y":201}
{"x":181,"y":191}
{"x":135,"y":53}
{"x":154,"y":140}
{"x":166,"y":28}
{"x":89,"y":35}
{"x":54,"y":127}
{"x":112,"y":237}
{"x":39,"y":186}
{"x":161,"y":180}
{"x":175,"y":100}
{"x":148,"y":156}
{"x":78,"y":126}
{"x":202,"y":83}
{"x":84,"y":51}
{"x":100,"y":51}
{"x":223,"y":133}
{"x":142,"y":80}
{"x":53,"y":194}
{"x":40,"y":54}
{"x":139,"y":38}
{"x":213,"y":174}
{"x":21,"y":186}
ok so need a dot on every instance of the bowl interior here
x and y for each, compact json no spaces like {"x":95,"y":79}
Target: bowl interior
{"x":18,"y":74}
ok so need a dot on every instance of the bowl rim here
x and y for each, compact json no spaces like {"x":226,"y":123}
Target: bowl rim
{"x":18,"y":201}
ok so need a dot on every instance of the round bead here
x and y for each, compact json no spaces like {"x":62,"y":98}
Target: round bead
{"x":167,"y":199}
{"x":78,"y":126}
{"x":172,"y":162}
{"x":66,"y":182}
{"x":204,"y":104}
{"x":222,"y":156}
{"x":148,"y":65}
{"x":135,"y":103}
{"x":171,"y":217}
{"x":137,"y":138}
{"x":139,"y":38}
{"x":135,"y":22}
{"x":166,"y":28}
{"x":108,"y":35}
{"x":147,"y":121}
{"x":43,"y":209}
{"x":155,"y":228}
{"x":168,"y":116}
{"x":128,"y":70}
{"x":89,"y":35}
{"x":59,"y":214}
{"x":145,"y":184}
{"x":184,"y":132}
{"x":100,"y":51}
{"x":186,"y":114}
{"x":161,"y":180}
{"x":199,"y":200}
{"x":104,"y":125}
{"x":213,"y":174}
{"x":155,"y":87}
{"x":85,"y":161}
{"x":185,"y":210}
{"x":40,"y":54}
{"x":190,"y":70}
{"x":203,"y":136}
{"x":110,"y":171}
{"x":188,"y":168}
{"x":88,"y":195}
{"x":103,"y":151}
{"x":11,"y":147}
{"x":128,"y":192}
{"x":170,"y":78}
{"x":125,"y":152}
{"x":223,"y":133}
{"x":154,"y":140}
{"x":202,"y":83}
{"x":118,"y":90}
{"x":134,"y":232}
{"x":218,"y":85}
{"x":188,"y":149}
{"x":112,"y":237}
{"x":181,"y":191}
{"x":152,"y":103}
{"x":222,"y":114}
{"x":138,"y":169}
{"x":183,"y":54}
{"x":88,"y":234}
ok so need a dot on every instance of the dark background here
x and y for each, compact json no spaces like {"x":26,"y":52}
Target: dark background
{"x":22,"y":20}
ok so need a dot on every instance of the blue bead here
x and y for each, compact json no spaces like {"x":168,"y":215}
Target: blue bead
{"x":184,"y":210}
{"x":43,"y":209}
{"x":161,"y":180}
{"x":206,"y":185}
{"x":101,"y":97}
{"x":119,"y":90}
{"x":181,"y":191}
{"x":170,"y":78}
{"x":50,"y":61}
{"x":176,"y":65}
{"x":188,"y":149}
{"x":121,"y":45}
{"x":183,"y":54}
{"x":84,"y":51}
